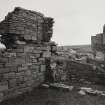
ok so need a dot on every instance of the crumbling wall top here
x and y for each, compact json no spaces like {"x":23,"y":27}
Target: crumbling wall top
{"x":25,"y":25}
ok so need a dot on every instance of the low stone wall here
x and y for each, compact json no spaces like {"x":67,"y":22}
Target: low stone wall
{"x":78,"y":72}
{"x":96,"y":62}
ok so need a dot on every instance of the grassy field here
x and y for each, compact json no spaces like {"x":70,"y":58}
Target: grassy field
{"x":78,"y":48}
{"x":50,"y":96}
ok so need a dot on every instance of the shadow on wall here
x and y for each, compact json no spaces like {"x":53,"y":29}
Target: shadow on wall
{"x":2,"y":46}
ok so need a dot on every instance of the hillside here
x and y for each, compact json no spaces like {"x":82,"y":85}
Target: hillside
{"x":78,"y":48}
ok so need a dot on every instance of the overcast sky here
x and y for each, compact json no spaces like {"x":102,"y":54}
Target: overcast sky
{"x":75,"y":20}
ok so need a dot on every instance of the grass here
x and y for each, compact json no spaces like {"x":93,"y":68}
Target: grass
{"x":41,"y":96}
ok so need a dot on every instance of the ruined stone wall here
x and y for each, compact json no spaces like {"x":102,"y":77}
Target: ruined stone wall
{"x":23,"y":62}
{"x":23,"y":68}
{"x":98,"y":41}
{"x":75,"y":72}
{"x":80,"y":72}
{"x":25,"y":25}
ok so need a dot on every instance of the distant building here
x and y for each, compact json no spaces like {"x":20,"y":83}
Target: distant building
{"x":98,"y":45}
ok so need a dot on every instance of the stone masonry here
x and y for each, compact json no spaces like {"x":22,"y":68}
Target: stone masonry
{"x":98,"y":45}
{"x":26,"y":35}
{"x":71,"y":71}
{"x":98,"y":41}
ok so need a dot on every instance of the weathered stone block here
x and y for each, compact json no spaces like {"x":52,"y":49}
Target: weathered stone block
{"x":12,"y":83}
{"x":20,"y":50}
{"x":4,"y":70}
{"x":11,"y":60}
{"x":8,"y":64}
{"x":34,"y":60}
{"x":34,"y":67}
{"x":34,"y":75}
{"x":3,"y":60}
{"x":48,"y":48}
{"x":27,"y":59}
{"x":28,"y":73}
{"x":32,"y":57}
{"x":27,"y":78}
{"x":27,"y":37}
{"x":44,"y":48}
{"x":20,"y":80}
{"x":11,"y":54}
{"x":2,"y":65}
{"x":37,"y":55}
{"x":34,"y":37}
{"x":22,"y":68}
{"x":3,"y":86}
{"x":20,"y":74}
{"x":1,"y":77}
{"x":28,"y":48}
{"x":42,"y":60}
{"x":54,"y":48}
{"x":9,"y":75}
{"x":47,"y":54}
{"x":1,"y":96}
{"x":30,"y":83}
{"x":19,"y":54}
{"x":19,"y":61}
{"x":13,"y":68}
{"x":37,"y":51}
{"x":42,"y":68}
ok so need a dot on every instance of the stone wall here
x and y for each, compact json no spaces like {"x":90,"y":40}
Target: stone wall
{"x":25,"y":25}
{"x":98,"y":42}
{"x":80,"y":72}
{"x":76,"y":72}
{"x":23,"y":62}
{"x":23,"y":68}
